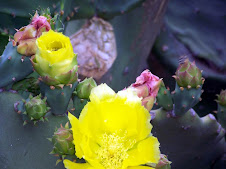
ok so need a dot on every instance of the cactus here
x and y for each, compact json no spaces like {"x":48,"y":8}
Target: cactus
{"x":25,"y":37}
{"x":221,"y":111}
{"x":33,"y":109}
{"x":27,"y":144}
{"x":199,"y":140}
{"x":15,"y":15}
{"x":20,"y":66}
{"x":62,"y":141}
{"x":84,"y":88}
{"x":188,"y":87}
{"x":4,"y":39}
{"x":23,"y":139}
{"x":57,"y":98}
{"x":198,"y":33}
{"x":29,"y":84}
{"x":164,"y":98}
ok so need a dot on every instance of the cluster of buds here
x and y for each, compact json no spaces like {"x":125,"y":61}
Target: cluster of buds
{"x":147,"y":87}
{"x":189,"y":75}
{"x":25,"y":37}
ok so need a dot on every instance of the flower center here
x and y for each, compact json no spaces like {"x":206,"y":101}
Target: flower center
{"x":54,"y":46}
{"x":112,"y":152}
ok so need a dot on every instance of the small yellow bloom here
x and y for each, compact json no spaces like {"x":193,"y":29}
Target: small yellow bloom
{"x":113,"y":132}
{"x":55,"y":60}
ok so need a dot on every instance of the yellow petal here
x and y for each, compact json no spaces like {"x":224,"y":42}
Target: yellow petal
{"x":115,"y":116}
{"x":114,"y":113}
{"x":130,"y":95}
{"x":77,"y":136}
{"x":146,"y":151}
{"x":54,"y":47}
{"x":71,"y":165}
{"x":140,"y":167}
{"x":101,"y":92}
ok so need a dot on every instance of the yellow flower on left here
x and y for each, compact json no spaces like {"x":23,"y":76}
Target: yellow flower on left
{"x":113,"y":132}
{"x":55,"y":60}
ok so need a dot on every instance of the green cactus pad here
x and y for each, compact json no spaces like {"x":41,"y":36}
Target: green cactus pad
{"x":28,"y":84}
{"x":15,"y":15}
{"x":78,"y":105}
{"x":164,"y":98}
{"x":57,"y":98}
{"x":197,"y":30}
{"x":4,"y":39}
{"x":185,"y":98}
{"x":25,"y":147}
{"x":220,"y":163}
{"x":13,"y":66}
{"x":105,"y":9}
{"x":221,"y":115}
{"x":109,"y":9}
{"x":189,"y":141}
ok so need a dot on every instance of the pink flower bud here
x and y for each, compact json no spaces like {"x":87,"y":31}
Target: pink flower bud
{"x":147,"y":86}
{"x":26,"y":36}
{"x":28,"y":33}
{"x":153,"y":82}
{"x":148,"y":102}
{"x":41,"y":24}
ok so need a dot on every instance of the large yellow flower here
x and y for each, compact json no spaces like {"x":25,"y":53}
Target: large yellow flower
{"x":113,"y":132}
{"x":55,"y":60}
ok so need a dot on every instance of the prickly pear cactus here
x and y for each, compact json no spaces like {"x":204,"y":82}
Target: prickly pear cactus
{"x":15,"y":15}
{"x":62,"y":141}
{"x":33,"y":109}
{"x":19,"y":66}
{"x":164,"y":98}
{"x":221,"y":110}
{"x":4,"y":40}
{"x":200,"y":141}
{"x":28,"y":147}
{"x":198,"y":33}
{"x":25,"y":146}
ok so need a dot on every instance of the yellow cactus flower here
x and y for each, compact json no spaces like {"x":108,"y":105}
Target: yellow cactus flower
{"x":55,"y":60}
{"x":113,"y":132}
